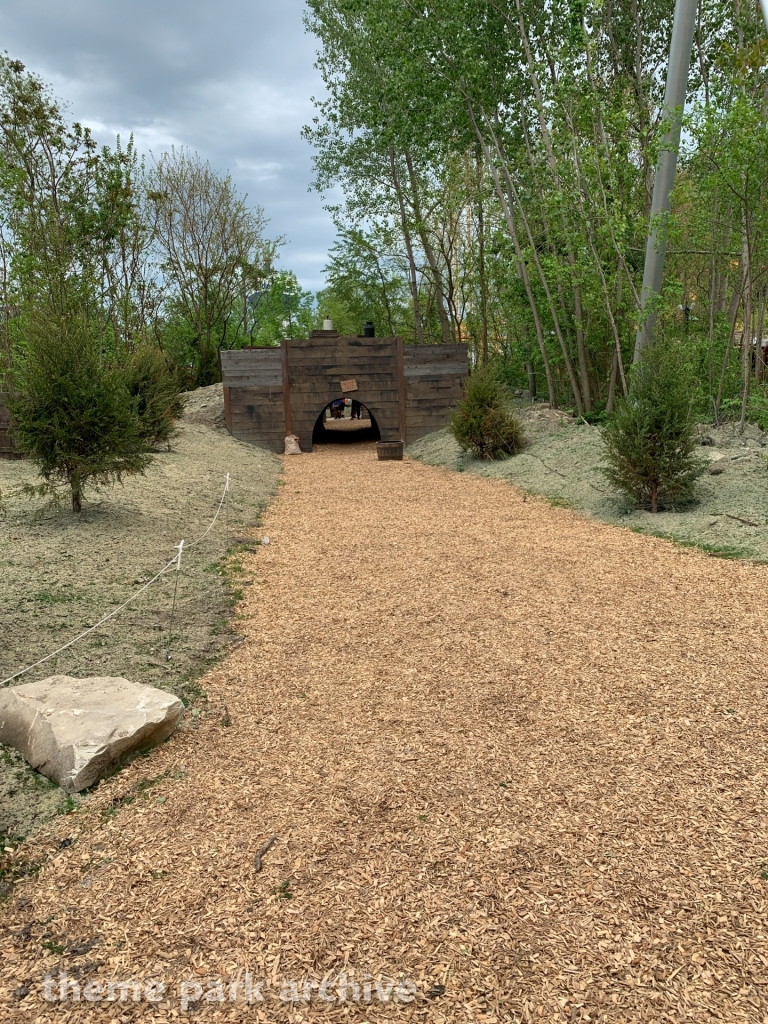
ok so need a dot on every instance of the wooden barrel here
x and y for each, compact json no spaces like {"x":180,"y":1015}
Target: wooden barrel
{"x":390,"y":449}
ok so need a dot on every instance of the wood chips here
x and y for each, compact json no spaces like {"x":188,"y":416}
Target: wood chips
{"x":513,"y":756}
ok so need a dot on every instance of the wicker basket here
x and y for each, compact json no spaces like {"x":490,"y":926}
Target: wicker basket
{"x":390,"y":449}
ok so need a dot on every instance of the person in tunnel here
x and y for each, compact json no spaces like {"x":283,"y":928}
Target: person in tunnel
{"x":361,"y":426}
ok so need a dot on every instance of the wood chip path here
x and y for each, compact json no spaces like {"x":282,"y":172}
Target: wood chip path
{"x":512,"y":757}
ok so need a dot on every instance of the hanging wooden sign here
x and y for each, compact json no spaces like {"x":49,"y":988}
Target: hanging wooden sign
{"x":349,"y":385}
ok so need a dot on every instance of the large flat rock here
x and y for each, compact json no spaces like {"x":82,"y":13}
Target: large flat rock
{"x":75,"y":731}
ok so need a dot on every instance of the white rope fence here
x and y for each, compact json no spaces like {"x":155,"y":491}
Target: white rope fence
{"x":175,"y":561}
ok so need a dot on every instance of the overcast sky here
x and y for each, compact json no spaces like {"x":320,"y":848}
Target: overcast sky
{"x":232,"y":79}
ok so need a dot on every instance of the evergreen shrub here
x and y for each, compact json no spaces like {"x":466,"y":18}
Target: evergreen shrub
{"x":72,"y":414}
{"x":650,"y":442}
{"x":483,"y":422}
{"x":155,"y":390}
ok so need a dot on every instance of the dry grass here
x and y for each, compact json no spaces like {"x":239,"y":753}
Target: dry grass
{"x":504,"y":749}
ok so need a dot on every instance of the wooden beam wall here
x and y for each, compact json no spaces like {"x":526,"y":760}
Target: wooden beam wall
{"x":434,"y":375}
{"x":409,"y":389}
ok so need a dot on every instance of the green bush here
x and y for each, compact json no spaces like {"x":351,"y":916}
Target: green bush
{"x":72,"y":414}
{"x":650,"y":443}
{"x":154,"y":388}
{"x":483,"y":422}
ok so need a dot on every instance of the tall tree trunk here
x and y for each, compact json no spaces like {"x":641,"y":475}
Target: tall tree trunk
{"x":759,"y":362}
{"x":545,"y":285}
{"x":429,"y":252}
{"x":412,"y":278}
{"x":522,"y":269}
{"x":746,"y":336}
{"x":598,"y":264}
{"x":585,"y":395}
{"x":612,"y":382}
{"x":733,"y":312}
{"x":481,"y":265}
{"x":581,"y":348}
{"x":644,"y":132}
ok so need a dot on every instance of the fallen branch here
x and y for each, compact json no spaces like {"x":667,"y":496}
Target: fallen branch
{"x":262,"y":851}
{"x":551,"y":470}
{"x":739,"y":519}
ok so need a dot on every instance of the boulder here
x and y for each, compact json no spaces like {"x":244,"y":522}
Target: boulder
{"x":75,"y":731}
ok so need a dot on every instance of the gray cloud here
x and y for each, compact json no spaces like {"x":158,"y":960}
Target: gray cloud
{"x":231,"y":79}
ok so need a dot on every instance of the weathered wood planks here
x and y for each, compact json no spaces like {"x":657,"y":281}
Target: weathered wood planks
{"x":410,"y":390}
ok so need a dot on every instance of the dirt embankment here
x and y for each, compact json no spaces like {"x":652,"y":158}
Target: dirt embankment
{"x":564,"y":461}
{"x":61,"y":573}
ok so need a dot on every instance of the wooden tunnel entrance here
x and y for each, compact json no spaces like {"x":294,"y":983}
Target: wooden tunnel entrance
{"x":349,"y":424}
{"x":409,"y":390}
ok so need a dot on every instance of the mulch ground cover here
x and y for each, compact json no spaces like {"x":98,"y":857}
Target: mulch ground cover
{"x":514,"y":761}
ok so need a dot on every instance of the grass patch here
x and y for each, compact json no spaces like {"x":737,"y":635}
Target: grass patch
{"x":12,"y":868}
{"x":283,"y":891}
{"x":190,"y":693}
{"x":52,"y":597}
{"x":714,"y":550}
{"x":23,"y":773}
{"x":140,"y":789}
{"x":68,"y":805}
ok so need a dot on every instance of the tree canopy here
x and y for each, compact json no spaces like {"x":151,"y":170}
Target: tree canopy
{"x":496,"y":164}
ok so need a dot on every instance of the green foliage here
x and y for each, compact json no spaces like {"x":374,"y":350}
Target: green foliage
{"x":273,"y":307}
{"x":278,"y":308}
{"x":155,"y":391}
{"x":499,"y":156}
{"x":483,"y":422}
{"x":72,"y":413}
{"x":212,"y":249}
{"x":366,"y":282}
{"x":650,"y":443}
{"x":172,"y":252}
{"x":758,"y":407}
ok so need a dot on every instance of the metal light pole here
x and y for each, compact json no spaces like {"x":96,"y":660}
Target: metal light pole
{"x":764,"y":5}
{"x":674,"y":102}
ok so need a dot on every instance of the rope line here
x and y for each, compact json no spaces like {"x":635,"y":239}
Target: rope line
{"x":175,"y":561}
{"x":90,"y":628}
{"x":204,"y":535}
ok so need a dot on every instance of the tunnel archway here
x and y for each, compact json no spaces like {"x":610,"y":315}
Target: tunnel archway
{"x":345,"y":422}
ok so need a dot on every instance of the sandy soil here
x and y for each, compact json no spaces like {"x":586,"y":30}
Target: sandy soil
{"x":61,"y":573}
{"x":564,"y":463}
{"x":348,"y":425}
{"x":512,"y":754}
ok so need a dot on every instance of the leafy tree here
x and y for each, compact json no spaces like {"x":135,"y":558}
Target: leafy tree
{"x":510,"y":147}
{"x":131,"y":288}
{"x":367,"y":281}
{"x":650,"y":443}
{"x":278,"y":308}
{"x":483,"y":422}
{"x":72,"y":413}
{"x":212,"y":248}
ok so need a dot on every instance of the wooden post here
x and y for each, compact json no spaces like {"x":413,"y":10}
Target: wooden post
{"x":227,"y":409}
{"x":401,"y":389}
{"x":286,"y":389}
